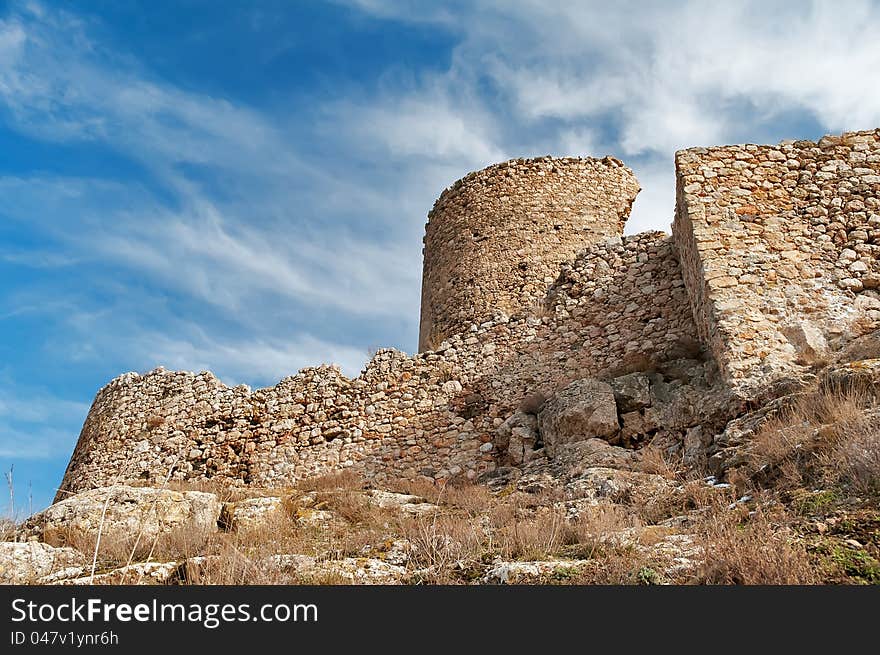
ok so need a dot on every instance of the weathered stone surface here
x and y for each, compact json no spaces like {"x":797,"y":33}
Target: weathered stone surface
{"x":404,"y":502}
{"x":808,"y":341}
{"x":775,"y":237}
{"x":632,"y":392}
{"x":139,"y":574}
{"x":27,"y":562}
{"x":585,"y":409}
{"x":519,"y":436}
{"x":599,"y":483}
{"x":696,"y":442}
{"x":128,"y":513}
{"x":593,"y":453}
{"x":251,"y":513}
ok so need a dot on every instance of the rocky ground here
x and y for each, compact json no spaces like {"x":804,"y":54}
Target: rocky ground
{"x":630,"y":481}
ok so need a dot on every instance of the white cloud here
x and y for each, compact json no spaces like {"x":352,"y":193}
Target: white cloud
{"x":426,"y":125}
{"x":38,"y":407}
{"x":579,"y":142}
{"x":675,"y":67}
{"x":654,"y":207}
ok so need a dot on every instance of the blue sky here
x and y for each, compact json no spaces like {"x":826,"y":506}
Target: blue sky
{"x":242,"y":186}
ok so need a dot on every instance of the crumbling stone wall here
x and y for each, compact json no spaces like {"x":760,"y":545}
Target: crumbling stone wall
{"x":495,"y":239}
{"x":773,"y":261}
{"x":621,"y":303}
{"x":779,"y":247}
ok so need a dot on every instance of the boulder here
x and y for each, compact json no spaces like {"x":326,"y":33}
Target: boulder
{"x":251,"y":513}
{"x":574,"y":458}
{"x":127,"y":512}
{"x":585,"y":409}
{"x":27,"y":562}
{"x":696,"y":442}
{"x":632,"y":392}
{"x":600,"y":483}
{"x":403,"y":502}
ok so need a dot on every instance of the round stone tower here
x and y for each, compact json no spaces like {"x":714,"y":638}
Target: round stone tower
{"x":496,"y":238}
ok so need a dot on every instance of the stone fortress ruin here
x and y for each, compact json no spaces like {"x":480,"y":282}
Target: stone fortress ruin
{"x":532,"y":295}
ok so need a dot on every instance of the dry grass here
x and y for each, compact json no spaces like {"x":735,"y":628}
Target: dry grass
{"x":348,"y":504}
{"x":534,"y":538}
{"x":829,"y":437}
{"x":114,"y":549}
{"x":689,"y":496}
{"x":439,"y":542}
{"x":620,"y":566}
{"x":655,"y":460}
{"x":591,"y":534}
{"x":7,"y":529}
{"x":751,"y":549}
{"x":854,"y":457}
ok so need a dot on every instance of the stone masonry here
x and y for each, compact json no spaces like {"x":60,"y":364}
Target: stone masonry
{"x":495,"y":239}
{"x":529,"y":286}
{"x":779,"y":246}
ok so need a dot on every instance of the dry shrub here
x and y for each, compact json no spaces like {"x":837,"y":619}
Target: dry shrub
{"x":854,"y":457}
{"x":438,"y":541}
{"x":756,"y":549}
{"x":535,"y":538}
{"x":591,"y":533}
{"x":618,"y":566}
{"x":117,"y":549}
{"x":349,"y":505}
{"x":456,"y":493}
{"x":692,"y":494}
{"x":421,"y":487}
{"x":657,"y":461}
{"x":472,"y":498}
{"x":828,"y":436}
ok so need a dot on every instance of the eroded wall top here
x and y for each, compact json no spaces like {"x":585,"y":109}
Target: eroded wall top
{"x":495,"y":239}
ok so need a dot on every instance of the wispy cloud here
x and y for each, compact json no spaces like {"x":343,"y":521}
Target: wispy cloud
{"x":655,"y":77}
{"x":35,"y":423}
